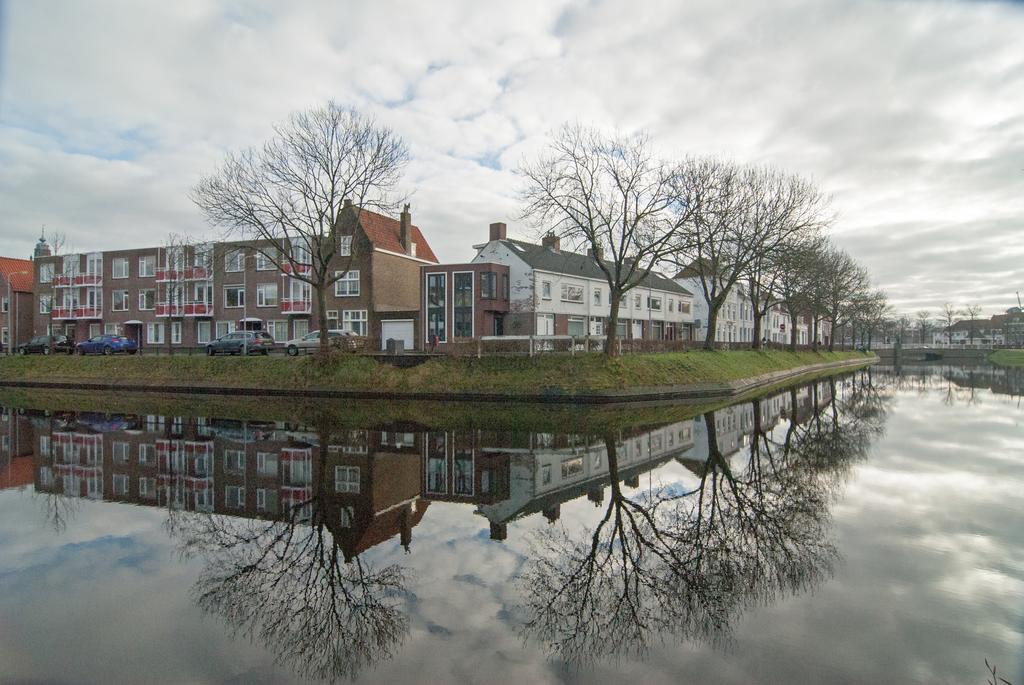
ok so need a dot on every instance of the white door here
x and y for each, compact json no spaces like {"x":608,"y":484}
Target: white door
{"x":397,"y":330}
{"x":638,"y":330}
{"x":545,"y":324}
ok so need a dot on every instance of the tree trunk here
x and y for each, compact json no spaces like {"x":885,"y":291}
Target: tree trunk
{"x":611,"y":347}
{"x":814,"y":333}
{"x":321,"y":317}
{"x":709,"y":338}
{"x":758,"y":316}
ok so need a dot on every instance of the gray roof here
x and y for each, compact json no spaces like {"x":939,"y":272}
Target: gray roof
{"x":572,"y":264}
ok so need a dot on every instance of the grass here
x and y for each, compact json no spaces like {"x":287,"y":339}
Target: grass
{"x":1007,"y":357}
{"x":418,"y":415}
{"x":511,"y":375}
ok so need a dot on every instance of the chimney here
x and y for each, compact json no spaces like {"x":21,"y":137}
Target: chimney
{"x":499,"y":531}
{"x":406,"y":230}
{"x":498,"y":231}
{"x":347,"y":203}
{"x":551,"y":240}
{"x":597,"y":255}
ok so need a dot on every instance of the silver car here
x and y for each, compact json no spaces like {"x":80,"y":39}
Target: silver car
{"x":311,"y":341}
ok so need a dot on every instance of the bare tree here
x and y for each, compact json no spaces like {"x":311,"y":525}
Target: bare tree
{"x":611,"y":195}
{"x":790,"y":213}
{"x":297,"y":199}
{"x":924,"y":322}
{"x":949,"y":314}
{"x":798,"y":269}
{"x":972,"y":311}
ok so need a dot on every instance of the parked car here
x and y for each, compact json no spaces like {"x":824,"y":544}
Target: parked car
{"x":47,"y":344}
{"x":256,"y":342}
{"x":311,"y":341}
{"x":107,"y":344}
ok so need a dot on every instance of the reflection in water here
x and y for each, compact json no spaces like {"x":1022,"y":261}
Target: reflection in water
{"x":685,"y":560}
{"x":282,"y":515}
{"x":960,"y":383}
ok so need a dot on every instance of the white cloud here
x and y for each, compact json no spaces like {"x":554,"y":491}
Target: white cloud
{"x":909,"y":112}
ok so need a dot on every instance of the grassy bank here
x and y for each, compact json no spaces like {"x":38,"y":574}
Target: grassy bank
{"x":520,"y":375}
{"x":1007,"y":357}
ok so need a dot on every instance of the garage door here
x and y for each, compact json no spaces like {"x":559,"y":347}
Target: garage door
{"x":397,"y":330}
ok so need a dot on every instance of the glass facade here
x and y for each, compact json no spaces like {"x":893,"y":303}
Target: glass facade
{"x":463,"y":311}
{"x":436,"y":307}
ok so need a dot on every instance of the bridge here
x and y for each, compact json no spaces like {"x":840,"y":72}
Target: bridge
{"x":934,"y":353}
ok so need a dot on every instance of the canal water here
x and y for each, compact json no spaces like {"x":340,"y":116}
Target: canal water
{"x":863,"y":528}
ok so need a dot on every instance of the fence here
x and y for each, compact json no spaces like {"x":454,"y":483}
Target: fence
{"x":534,"y":345}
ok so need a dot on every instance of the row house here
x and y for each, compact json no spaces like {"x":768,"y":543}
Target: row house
{"x":1000,"y":329}
{"x":735,"y":322}
{"x":544,"y":290}
{"x":188,"y":295}
{"x":15,"y":302}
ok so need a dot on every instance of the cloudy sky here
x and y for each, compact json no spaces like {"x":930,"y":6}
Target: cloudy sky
{"x":910,"y":113}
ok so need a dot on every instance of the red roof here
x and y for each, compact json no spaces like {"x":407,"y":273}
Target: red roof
{"x":19,"y":472}
{"x":385,"y":233}
{"x":18,"y":272}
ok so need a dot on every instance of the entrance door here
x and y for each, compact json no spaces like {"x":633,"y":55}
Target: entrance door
{"x":545,"y":324}
{"x":638,"y":330}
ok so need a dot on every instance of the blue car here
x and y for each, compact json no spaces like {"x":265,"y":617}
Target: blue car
{"x":107,"y":344}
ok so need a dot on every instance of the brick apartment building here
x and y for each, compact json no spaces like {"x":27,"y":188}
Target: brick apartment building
{"x":188,"y":295}
{"x":15,"y":302}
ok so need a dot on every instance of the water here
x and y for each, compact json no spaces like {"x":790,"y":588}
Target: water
{"x":862,"y":529}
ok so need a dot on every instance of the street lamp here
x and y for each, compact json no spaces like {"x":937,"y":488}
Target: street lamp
{"x":11,"y":338}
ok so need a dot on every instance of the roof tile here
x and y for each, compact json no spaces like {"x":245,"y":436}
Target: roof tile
{"x":18,"y":272}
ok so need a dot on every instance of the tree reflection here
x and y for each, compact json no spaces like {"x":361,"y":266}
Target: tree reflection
{"x":291,"y":585}
{"x":686,"y":562}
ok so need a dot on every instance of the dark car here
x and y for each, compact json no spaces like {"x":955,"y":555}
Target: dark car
{"x":241,"y":342}
{"x":107,"y":344}
{"x":46,"y":344}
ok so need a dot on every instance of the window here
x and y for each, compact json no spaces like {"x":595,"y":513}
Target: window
{"x":266,"y":295}
{"x":119,"y":301}
{"x":597,"y":297}
{"x":636,"y":302}
{"x":572,"y":293}
{"x":202,"y":293}
{"x":577,"y":326}
{"x":488,"y":285}
{"x":436,"y":285}
{"x":147,"y":299}
{"x":175,"y":332}
{"x":463,"y":293}
{"x":572,"y":467}
{"x":278,"y":330}
{"x":545,"y":474}
{"x":4,"y":305}
{"x":264,"y":261}
{"x":234,"y":461}
{"x":111,"y":329}
{"x":234,"y":296}
{"x":344,"y":245}
{"x":354,"y":320}
{"x":119,"y":267}
{"x":671,"y":305}
{"x":154,"y":333}
{"x":45,"y":304}
{"x":225,"y":327}
{"x":346,"y":479}
{"x":234,"y":260}
{"x":120,"y":484}
{"x":654,"y":304}
{"x":348,"y":284}
{"x":684,"y":307}
{"x":300,"y":327}
{"x":3,"y":335}
{"x":596,"y":326}
{"x":266,"y":500}
{"x":147,"y":266}
{"x":147,"y":487}
{"x":202,"y":332}
{"x":46,"y":273}
{"x":545,"y":290}
{"x":95,"y":330}
{"x":234,"y":497}
{"x":266,"y":464}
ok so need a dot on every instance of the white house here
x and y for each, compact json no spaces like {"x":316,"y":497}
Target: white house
{"x":555,"y":292}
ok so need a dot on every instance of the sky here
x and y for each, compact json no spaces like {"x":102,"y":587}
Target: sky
{"x":910,"y":114}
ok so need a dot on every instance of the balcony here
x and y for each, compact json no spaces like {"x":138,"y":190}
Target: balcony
{"x":290,"y":306}
{"x":62,"y":281}
{"x":77,"y":313}
{"x":77,"y":280}
{"x":191,"y":273}
{"x":290,"y":268}
{"x":164,"y":309}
